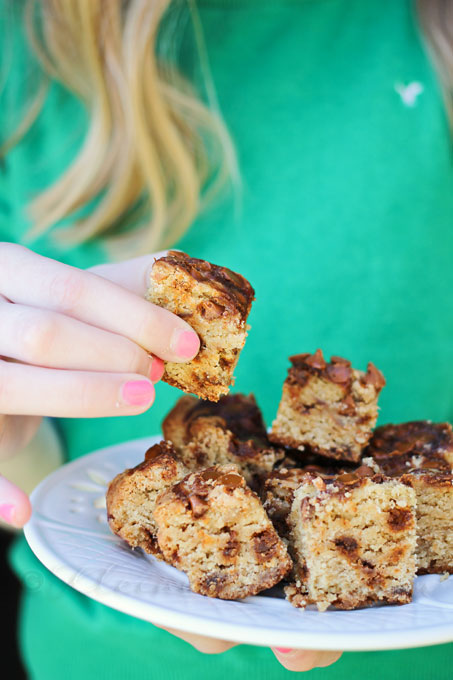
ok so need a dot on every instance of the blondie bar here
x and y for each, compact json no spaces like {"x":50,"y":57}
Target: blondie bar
{"x":229,"y":431}
{"x":214,"y":528}
{"x":352,"y":540}
{"x":328,"y":408}
{"x":216,"y":303}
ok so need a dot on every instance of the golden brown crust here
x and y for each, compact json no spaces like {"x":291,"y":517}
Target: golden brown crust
{"x":237,"y":293}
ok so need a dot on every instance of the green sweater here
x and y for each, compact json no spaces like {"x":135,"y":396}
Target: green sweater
{"x":345,"y":232}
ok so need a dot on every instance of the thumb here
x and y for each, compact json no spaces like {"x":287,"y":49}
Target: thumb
{"x":15,"y":507}
{"x":300,"y":660}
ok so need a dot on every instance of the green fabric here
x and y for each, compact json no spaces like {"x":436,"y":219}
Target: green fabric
{"x":345,"y":232}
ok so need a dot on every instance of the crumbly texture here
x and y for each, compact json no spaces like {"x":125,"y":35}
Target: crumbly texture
{"x":277,"y":491}
{"x":434,"y":494}
{"x":216,"y":303}
{"x":329,"y":408}
{"x":131,"y":496}
{"x":420,"y":453}
{"x":353,"y":541}
{"x":214,"y":528}
{"x":230,"y":431}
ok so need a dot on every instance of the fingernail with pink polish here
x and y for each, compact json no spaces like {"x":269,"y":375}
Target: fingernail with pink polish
{"x":8,"y":513}
{"x":137,"y":392}
{"x":185,"y":343}
{"x":157,"y":370}
{"x":283,"y":650}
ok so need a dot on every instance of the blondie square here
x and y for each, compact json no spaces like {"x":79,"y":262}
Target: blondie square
{"x":131,"y":496}
{"x":214,"y":528}
{"x":216,"y":303}
{"x":229,"y":431}
{"x":352,"y":541}
{"x":420,"y":454}
{"x":328,"y":408}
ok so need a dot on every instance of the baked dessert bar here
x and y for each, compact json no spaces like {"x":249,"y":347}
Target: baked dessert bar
{"x":230,"y":431}
{"x":214,"y":528}
{"x":131,"y":496}
{"x":352,"y":541}
{"x":216,"y":303}
{"x":328,"y":407}
{"x":420,"y":454}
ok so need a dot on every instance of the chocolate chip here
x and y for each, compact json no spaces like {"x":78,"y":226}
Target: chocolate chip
{"x":265,"y":545}
{"x":153,"y":452}
{"x":364,"y":471}
{"x":211,"y":474}
{"x":374,"y":376}
{"x":211,"y":310}
{"x":198,"y":505}
{"x":316,"y":360}
{"x":232,"y":545}
{"x":400,"y":519}
{"x":340,"y":360}
{"x":339,"y":373}
{"x":348,"y":478}
{"x":346,"y":544}
{"x":213,"y":584}
{"x":348,"y":406}
{"x":232,"y":480}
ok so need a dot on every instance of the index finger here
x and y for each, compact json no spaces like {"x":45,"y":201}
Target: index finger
{"x":32,"y":279}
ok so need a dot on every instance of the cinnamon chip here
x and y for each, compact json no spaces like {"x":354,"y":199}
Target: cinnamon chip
{"x":348,"y":478}
{"x":198,"y":505}
{"x":374,"y":376}
{"x":231,"y":480}
{"x":339,"y":373}
{"x":316,"y":360}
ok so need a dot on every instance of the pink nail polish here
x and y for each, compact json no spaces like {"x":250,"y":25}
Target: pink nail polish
{"x":186,"y":344}
{"x":7,"y":512}
{"x":283,"y":650}
{"x":157,"y":370}
{"x":137,"y":392}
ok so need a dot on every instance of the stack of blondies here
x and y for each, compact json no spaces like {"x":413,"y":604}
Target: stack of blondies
{"x":343,"y":515}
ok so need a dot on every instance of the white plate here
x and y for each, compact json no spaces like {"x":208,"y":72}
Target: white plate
{"x":69,"y":534}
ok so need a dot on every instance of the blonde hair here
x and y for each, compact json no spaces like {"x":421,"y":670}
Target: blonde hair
{"x":436,"y":19}
{"x":153,"y":151}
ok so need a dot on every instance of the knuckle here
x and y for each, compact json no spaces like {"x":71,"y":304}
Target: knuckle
{"x":66,"y":290}
{"x":35,"y":336}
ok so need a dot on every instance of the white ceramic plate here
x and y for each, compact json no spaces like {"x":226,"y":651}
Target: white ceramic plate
{"x":69,"y":534}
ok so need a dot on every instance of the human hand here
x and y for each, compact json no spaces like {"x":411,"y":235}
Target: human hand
{"x":292,"y":659}
{"x":77,"y":344}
